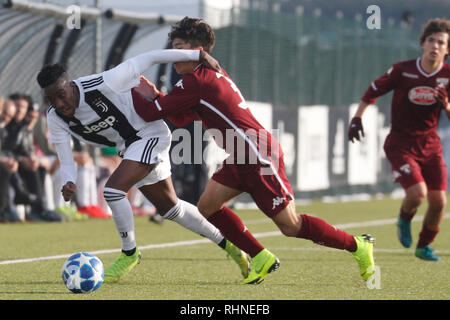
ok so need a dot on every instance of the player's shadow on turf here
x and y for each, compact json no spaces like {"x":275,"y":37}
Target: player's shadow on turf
{"x":182,"y":282}
{"x":182,"y":259}
{"x":34,"y":292}
{"x":34,"y":283}
{"x":27,"y":283}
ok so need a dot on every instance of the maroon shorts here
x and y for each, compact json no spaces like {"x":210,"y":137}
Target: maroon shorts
{"x":268,"y":186}
{"x":417,"y":159}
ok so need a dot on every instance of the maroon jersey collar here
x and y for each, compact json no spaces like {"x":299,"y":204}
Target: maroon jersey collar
{"x":428,"y":75}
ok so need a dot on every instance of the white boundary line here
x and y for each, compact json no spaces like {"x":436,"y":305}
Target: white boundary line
{"x":350,"y":225}
{"x":321,"y":248}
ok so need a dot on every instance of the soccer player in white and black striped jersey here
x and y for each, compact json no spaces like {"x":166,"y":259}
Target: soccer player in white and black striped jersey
{"x":98,"y":110}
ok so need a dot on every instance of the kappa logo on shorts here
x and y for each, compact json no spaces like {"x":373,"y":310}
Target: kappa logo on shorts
{"x":277,"y":201}
{"x":406,"y":169}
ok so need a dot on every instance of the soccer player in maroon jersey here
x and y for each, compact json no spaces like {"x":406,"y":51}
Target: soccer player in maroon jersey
{"x":256,"y":168}
{"x":413,"y":147}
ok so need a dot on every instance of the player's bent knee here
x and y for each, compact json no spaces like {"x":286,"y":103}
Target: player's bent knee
{"x":416,"y":199}
{"x":416,"y":194}
{"x":437,"y":205}
{"x":111,"y":194}
{"x":288,"y":231}
{"x":288,"y":221}
{"x":416,"y":202}
{"x":206,"y":208}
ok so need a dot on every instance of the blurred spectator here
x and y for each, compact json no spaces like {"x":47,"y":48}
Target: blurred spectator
{"x":407,"y":18}
{"x":87,"y":192}
{"x":8,"y":165}
{"x":48,"y":165}
{"x":28,"y":185}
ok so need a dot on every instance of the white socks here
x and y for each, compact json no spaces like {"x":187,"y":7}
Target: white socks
{"x":188,"y":216}
{"x":122,"y":215}
{"x":184,"y":213}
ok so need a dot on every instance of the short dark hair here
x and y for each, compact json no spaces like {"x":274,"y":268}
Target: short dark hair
{"x":194,"y":31}
{"x":16,"y":96}
{"x":49,"y":74}
{"x":434,"y":26}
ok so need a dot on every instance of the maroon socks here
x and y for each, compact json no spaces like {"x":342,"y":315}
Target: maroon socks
{"x":407,"y":216}
{"x":427,"y":235}
{"x":314,"y":229}
{"x":321,"y":232}
{"x":233,"y":229}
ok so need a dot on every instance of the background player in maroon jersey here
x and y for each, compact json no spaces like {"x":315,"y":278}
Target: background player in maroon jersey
{"x":214,"y":99}
{"x":413,"y":147}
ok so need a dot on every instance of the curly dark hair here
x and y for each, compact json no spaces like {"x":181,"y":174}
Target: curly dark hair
{"x":195,"y":32}
{"x":49,"y":74}
{"x":434,"y":26}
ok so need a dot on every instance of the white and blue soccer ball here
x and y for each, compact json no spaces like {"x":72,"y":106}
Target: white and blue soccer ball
{"x":83,"y":273}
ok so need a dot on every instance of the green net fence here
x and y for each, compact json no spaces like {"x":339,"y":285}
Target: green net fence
{"x":292,"y":59}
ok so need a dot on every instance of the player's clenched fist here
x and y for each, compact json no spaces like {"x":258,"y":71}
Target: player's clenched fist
{"x":68,"y":190}
{"x":355,"y":128}
{"x":442,"y":96}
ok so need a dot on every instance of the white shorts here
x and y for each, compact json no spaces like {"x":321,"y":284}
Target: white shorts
{"x":150,"y":151}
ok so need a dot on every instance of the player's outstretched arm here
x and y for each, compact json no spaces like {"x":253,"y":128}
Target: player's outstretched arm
{"x":126,"y":75}
{"x":146,"y":60}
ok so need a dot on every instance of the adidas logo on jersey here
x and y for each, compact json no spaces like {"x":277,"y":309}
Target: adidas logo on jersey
{"x":100,"y":125}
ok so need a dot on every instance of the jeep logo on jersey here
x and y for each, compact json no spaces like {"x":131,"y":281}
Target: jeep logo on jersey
{"x":422,"y":95}
{"x":100,"y":125}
